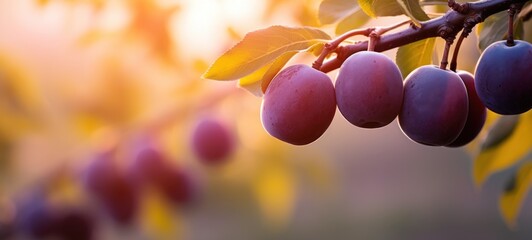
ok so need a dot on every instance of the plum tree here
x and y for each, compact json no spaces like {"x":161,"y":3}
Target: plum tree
{"x":435,"y":106}
{"x":476,"y":116}
{"x":111,"y":188}
{"x":369,"y":89}
{"x":151,"y":168}
{"x":212,"y":140}
{"x":298,"y":105}
{"x":503,"y":78}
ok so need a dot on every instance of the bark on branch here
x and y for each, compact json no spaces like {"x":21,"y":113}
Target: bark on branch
{"x":447,"y":25}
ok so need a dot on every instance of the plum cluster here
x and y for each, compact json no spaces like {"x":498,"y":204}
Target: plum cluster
{"x":115,"y":181}
{"x":111,"y":189}
{"x":434,"y":106}
{"x":117,"y":188}
{"x":39,"y":218}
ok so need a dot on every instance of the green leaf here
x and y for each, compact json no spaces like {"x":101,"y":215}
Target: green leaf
{"x":260,"y":48}
{"x":331,"y":11}
{"x":352,"y":21}
{"x":504,"y":146}
{"x":512,"y":199}
{"x":379,"y":8}
{"x":414,"y":55}
{"x":413,"y":10}
{"x":495,"y":28}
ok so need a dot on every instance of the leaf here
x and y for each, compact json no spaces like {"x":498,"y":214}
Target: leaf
{"x":501,"y":149}
{"x":414,"y":55}
{"x":5,"y":152}
{"x":157,"y":219}
{"x":512,"y":200}
{"x":495,"y":28}
{"x":275,"y":191}
{"x":433,"y":2}
{"x":413,"y":10}
{"x":379,"y":8}
{"x":306,"y":14}
{"x":525,"y":12}
{"x":331,"y":11}
{"x":498,"y":133}
{"x":260,"y":48}
{"x":355,"y":20}
{"x":260,"y":79}
{"x":19,"y":99}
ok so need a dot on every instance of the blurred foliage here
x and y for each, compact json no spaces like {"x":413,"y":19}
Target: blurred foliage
{"x":114,"y":70}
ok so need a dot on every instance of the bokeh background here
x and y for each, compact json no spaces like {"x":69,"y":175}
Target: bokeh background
{"x":78,"y":76}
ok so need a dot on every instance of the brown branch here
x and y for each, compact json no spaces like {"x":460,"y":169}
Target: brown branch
{"x":452,"y":21}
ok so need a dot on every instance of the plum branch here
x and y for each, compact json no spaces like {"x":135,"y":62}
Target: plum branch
{"x":448,"y":25}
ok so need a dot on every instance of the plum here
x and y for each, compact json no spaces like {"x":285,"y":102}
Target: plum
{"x":39,"y":218}
{"x":298,"y":105}
{"x":111,"y":188}
{"x":503,"y":77}
{"x":35,"y":216}
{"x":435,"y":106}
{"x":369,"y":89}
{"x":476,"y":117}
{"x":74,"y":223}
{"x":151,"y":168}
{"x":212,"y":141}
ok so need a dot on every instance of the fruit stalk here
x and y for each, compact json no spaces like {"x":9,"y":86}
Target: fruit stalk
{"x":428,"y":29}
{"x":448,"y":42}
{"x":511,"y":14}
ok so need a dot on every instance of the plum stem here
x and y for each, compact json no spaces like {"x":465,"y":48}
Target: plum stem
{"x":371,"y":32}
{"x":456,"y":50}
{"x":511,"y":13}
{"x":468,"y":26}
{"x":373,"y":39}
{"x":448,"y":42}
{"x":333,"y":45}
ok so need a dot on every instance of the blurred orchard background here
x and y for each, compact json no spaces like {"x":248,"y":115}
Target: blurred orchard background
{"x":79,"y":77}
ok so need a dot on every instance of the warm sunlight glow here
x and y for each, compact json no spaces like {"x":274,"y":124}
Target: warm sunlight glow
{"x":204,"y":22}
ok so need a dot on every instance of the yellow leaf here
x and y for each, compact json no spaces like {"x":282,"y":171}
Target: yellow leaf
{"x":306,"y":14}
{"x":354,"y":20}
{"x":275,"y":191}
{"x":260,"y":48}
{"x":258,"y":81}
{"x":505,"y":152}
{"x":158,"y":220}
{"x":331,"y":11}
{"x":19,"y":101}
{"x":317,"y":172}
{"x":473,"y":147}
{"x":513,"y":198}
{"x":63,"y":188}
